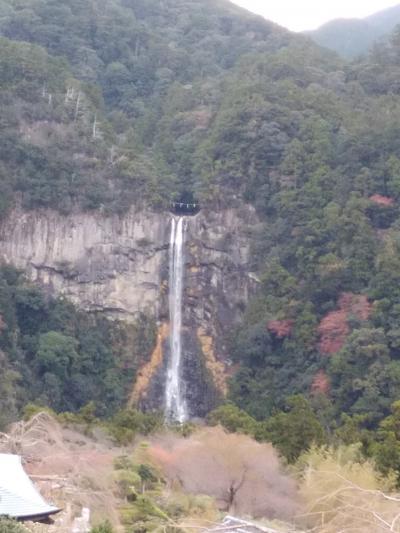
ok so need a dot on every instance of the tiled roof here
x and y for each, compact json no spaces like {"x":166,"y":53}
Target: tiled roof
{"x":18,"y":496}
{"x":231,"y":524}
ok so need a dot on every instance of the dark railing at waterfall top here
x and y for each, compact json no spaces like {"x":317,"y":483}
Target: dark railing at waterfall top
{"x":185,"y":208}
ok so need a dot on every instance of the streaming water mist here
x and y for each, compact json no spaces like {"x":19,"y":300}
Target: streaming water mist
{"x":175,"y":405}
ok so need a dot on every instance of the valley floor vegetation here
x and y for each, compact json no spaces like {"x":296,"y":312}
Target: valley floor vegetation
{"x":169,"y":481}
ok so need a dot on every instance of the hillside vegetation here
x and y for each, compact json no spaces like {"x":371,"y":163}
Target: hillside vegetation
{"x":92,"y":104}
{"x":112,"y":103}
{"x":55,"y":355}
{"x":163,"y":481}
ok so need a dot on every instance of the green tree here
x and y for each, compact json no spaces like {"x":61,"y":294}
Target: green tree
{"x":57,"y":353}
{"x":295,"y":430}
{"x":128,"y":423}
{"x":233,"y":419}
{"x":386,"y":449}
{"x":364,"y":379}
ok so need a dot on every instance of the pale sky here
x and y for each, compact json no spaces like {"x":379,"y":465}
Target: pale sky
{"x":298,"y":15}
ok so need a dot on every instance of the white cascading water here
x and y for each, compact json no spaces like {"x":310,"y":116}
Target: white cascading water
{"x":175,"y":405}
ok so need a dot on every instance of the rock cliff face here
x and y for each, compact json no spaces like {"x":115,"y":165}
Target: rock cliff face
{"x":119,"y":265}
{"x":110,"y":264}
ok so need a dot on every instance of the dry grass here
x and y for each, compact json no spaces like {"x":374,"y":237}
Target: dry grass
{"x":70,"y":469}
{"x":343,"y":495}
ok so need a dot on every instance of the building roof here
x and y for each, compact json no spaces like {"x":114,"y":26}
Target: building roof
{"x":18,"y":496}
{"x":231,"y":524}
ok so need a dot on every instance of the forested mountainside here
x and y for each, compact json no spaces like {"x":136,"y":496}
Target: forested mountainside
{"x":110,"y":104}
{"x":353,"y":37}
{"x":148,"y":72}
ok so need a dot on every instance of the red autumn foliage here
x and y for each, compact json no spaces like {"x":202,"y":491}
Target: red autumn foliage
{"x":384,"y":201}
{"x":321,"y":383}
{"x":356,"y":304}
{"x":334,"y":328}
{"x":281,"y":328}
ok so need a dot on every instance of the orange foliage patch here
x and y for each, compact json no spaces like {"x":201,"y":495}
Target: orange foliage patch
{"x":321,"y":383}
{"x":384,"y":201}
{"x":333,"y":330}
{"x":356,"y":304}
{"x":334,"y":327}
{"x":281,"y":328}
{"x":215,"y":367}
{"x":147,"y":372}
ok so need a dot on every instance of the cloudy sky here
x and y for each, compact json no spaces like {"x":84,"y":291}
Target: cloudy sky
{"x":299,"y":15}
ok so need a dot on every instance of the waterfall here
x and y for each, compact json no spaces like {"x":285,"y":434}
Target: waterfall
{"x":175,"y":405}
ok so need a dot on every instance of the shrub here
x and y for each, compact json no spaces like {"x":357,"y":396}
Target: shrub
{"x":10,"y":526}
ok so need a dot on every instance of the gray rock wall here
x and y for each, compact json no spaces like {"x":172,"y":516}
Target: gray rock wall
{"x":111,"y":264}
{"x":119,"y":265}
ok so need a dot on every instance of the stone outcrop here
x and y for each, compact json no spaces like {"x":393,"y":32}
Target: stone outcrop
{"x":119,"y":265}
{"x":111,"y":264}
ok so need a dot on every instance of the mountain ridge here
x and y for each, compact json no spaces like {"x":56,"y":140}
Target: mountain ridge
{"x":355,"y":36}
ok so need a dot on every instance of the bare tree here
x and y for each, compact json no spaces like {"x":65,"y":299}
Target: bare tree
{"x":94,"y":127}
{"x":243,"y":475}
{"x":77,"y":105}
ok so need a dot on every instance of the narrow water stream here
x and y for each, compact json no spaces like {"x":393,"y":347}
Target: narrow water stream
{"x":175,"y":404}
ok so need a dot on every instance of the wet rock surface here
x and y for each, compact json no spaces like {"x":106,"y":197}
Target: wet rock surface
{"x":118,"y":265}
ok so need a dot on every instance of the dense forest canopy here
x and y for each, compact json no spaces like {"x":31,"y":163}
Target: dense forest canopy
{"x":56,"y":356}
{"x":108,"y":103}
{"x":147,"y":71}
